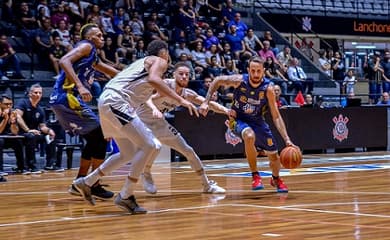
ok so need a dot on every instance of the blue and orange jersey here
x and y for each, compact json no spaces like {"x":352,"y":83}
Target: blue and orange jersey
{"x":250,"y":103}
{"x":64,"y":89}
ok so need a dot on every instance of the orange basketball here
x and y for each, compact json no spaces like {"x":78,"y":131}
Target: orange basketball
{"x":290,"y":157}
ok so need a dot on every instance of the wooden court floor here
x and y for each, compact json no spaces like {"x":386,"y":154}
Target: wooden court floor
{"x":332,"y":196}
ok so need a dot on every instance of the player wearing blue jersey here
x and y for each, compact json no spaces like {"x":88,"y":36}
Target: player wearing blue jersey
{"x":253,"y":96}
{"x":69,"y":101}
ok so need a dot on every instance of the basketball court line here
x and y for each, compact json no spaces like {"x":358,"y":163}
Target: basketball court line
{"x":287,"y":208}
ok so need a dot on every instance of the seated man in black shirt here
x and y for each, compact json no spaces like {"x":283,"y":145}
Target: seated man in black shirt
{"x":10,"y":129}
{"x":33,"y":124}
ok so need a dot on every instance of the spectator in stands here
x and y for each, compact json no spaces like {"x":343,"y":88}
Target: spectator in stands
{"x":121,"y":19}
{"x":284,"y":58}
{"x":9,"y":126}
{"x":77,"y":11}
{"x":27,"y":24}
{"x":386,"y":71}
{"x":205,"y":87}
{"x":272,"y":73}
{"x":228,"y":11}
{"x":198,"y":36}
{"x":63,"y":32}
{"x":267,"y":52}
{"x":324,"y":62}
{"x":308,"y":101}
{"x":280,"y":101}
{"x":199,"y":59}
{"x":227,"y":54}
{"x":94,"y":12}
{"x":140,"y":50}
{"x":350,"y":81}
{"x":298,"y":77}
{"x":236,"y":42}
{"x":385,"y":99}
{"x":75,"y":30}
{"x":9,"y":59}
{"x":46,"y":10}
{"x":182,"y":48}
{"x":241,"y":27}
{"x":374,"y":75}
{"x":33,"y":125}
{"x":153,"y":32}
{"x":59,"y":15}
{"x":106,"y":22}
{"x":137,"y":26}
{"x":214,"y":69}
{"x":268,"y":37}
{"x":252,"y":42}
{"x":44,"y":40}
{"x":126,"y":45}
{"x":55,"y":54}
{"x":338,"y":67}
{"x":7,"y":13}
{"x":211,"y":39}
{"x":230,"y":68}
{"x":110,"y":56}
{"x":213,"y":51}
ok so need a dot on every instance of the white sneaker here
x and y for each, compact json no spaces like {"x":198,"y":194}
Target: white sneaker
{"x":148,"y":183}
{"x":4,"y":78}
{"x":213,"y":187}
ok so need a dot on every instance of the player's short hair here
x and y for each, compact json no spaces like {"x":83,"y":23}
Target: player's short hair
{"x":256,"y":59}
{"x":155,"y":46}
{"x":181,"y":64}
{"x":86,"y":28}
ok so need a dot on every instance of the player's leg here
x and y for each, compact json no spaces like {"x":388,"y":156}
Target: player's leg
{"x":249,"y":137}
{"x":178,"y":143}
{"x":266,"y":141}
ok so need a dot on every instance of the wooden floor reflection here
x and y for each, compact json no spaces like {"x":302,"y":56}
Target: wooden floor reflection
{"x":331,"y":197}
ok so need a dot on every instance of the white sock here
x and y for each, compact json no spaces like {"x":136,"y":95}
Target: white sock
{"x":204,"y":179}
{"x":127,"y":189}
{"x":92,"y":178}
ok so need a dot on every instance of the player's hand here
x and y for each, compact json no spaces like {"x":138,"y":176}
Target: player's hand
{"x":191,"y":107}
{"x":291,"y":144}
{"x":204,"y":108}
{"x":85,"y":94}
{"x":157,"y":114}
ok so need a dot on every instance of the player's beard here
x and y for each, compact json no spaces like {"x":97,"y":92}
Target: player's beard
{"x":182,"y":84}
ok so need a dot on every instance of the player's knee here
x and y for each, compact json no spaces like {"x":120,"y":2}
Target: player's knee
{"x":153,"y":145}
{"x":248,"y":135}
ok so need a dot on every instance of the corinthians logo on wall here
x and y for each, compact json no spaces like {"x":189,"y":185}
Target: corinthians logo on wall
{"x":340,"y":130}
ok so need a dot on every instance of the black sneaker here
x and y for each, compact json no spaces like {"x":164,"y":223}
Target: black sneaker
{"x":100,"y":193}
{"x":130,"y":205}
{"x":35,"y":171}
{"x":73,"y":191}
{"x":2,"y":179}
{"x":54,"y":168}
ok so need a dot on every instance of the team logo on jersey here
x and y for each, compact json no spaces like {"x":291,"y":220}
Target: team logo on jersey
{"x":340,"y":130}
{"x":243,"y":89}
{"x":270,"y":142}
{"x":243,"y":99}
{"x":261,"y":95}
{"x":248,"y":108}
{"x":252,"y":93}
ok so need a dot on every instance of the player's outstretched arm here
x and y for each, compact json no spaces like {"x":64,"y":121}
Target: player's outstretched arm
{"x":226,"y":81}
{"x":195,"y":98}
{"x":156,"y":67}
{"x":276,"y":117}
{"x":107,"y":69}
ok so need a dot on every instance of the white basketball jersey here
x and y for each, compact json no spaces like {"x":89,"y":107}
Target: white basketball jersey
{"x":132,"y":84}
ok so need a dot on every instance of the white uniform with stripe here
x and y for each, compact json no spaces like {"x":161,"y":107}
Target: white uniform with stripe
{"x":118,"y":103}
{"x":164,"y":131}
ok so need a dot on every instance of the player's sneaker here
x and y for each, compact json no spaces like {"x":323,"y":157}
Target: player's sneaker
{"x":212,"y":187}
{"x":148,"y":183}
{"x":130,"y":205}
{"x":73,"y":191}
{"x":99,"y":192}
{"x":257,"y":184}
{"x":84,"y":190}
{"x":279,"y":184}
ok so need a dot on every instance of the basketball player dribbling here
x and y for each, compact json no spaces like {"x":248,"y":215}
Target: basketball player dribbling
{"x":118,"y":103}
{"x":252,"y":96}
{"x":152,"y":115}
{"x":69,"y":102}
